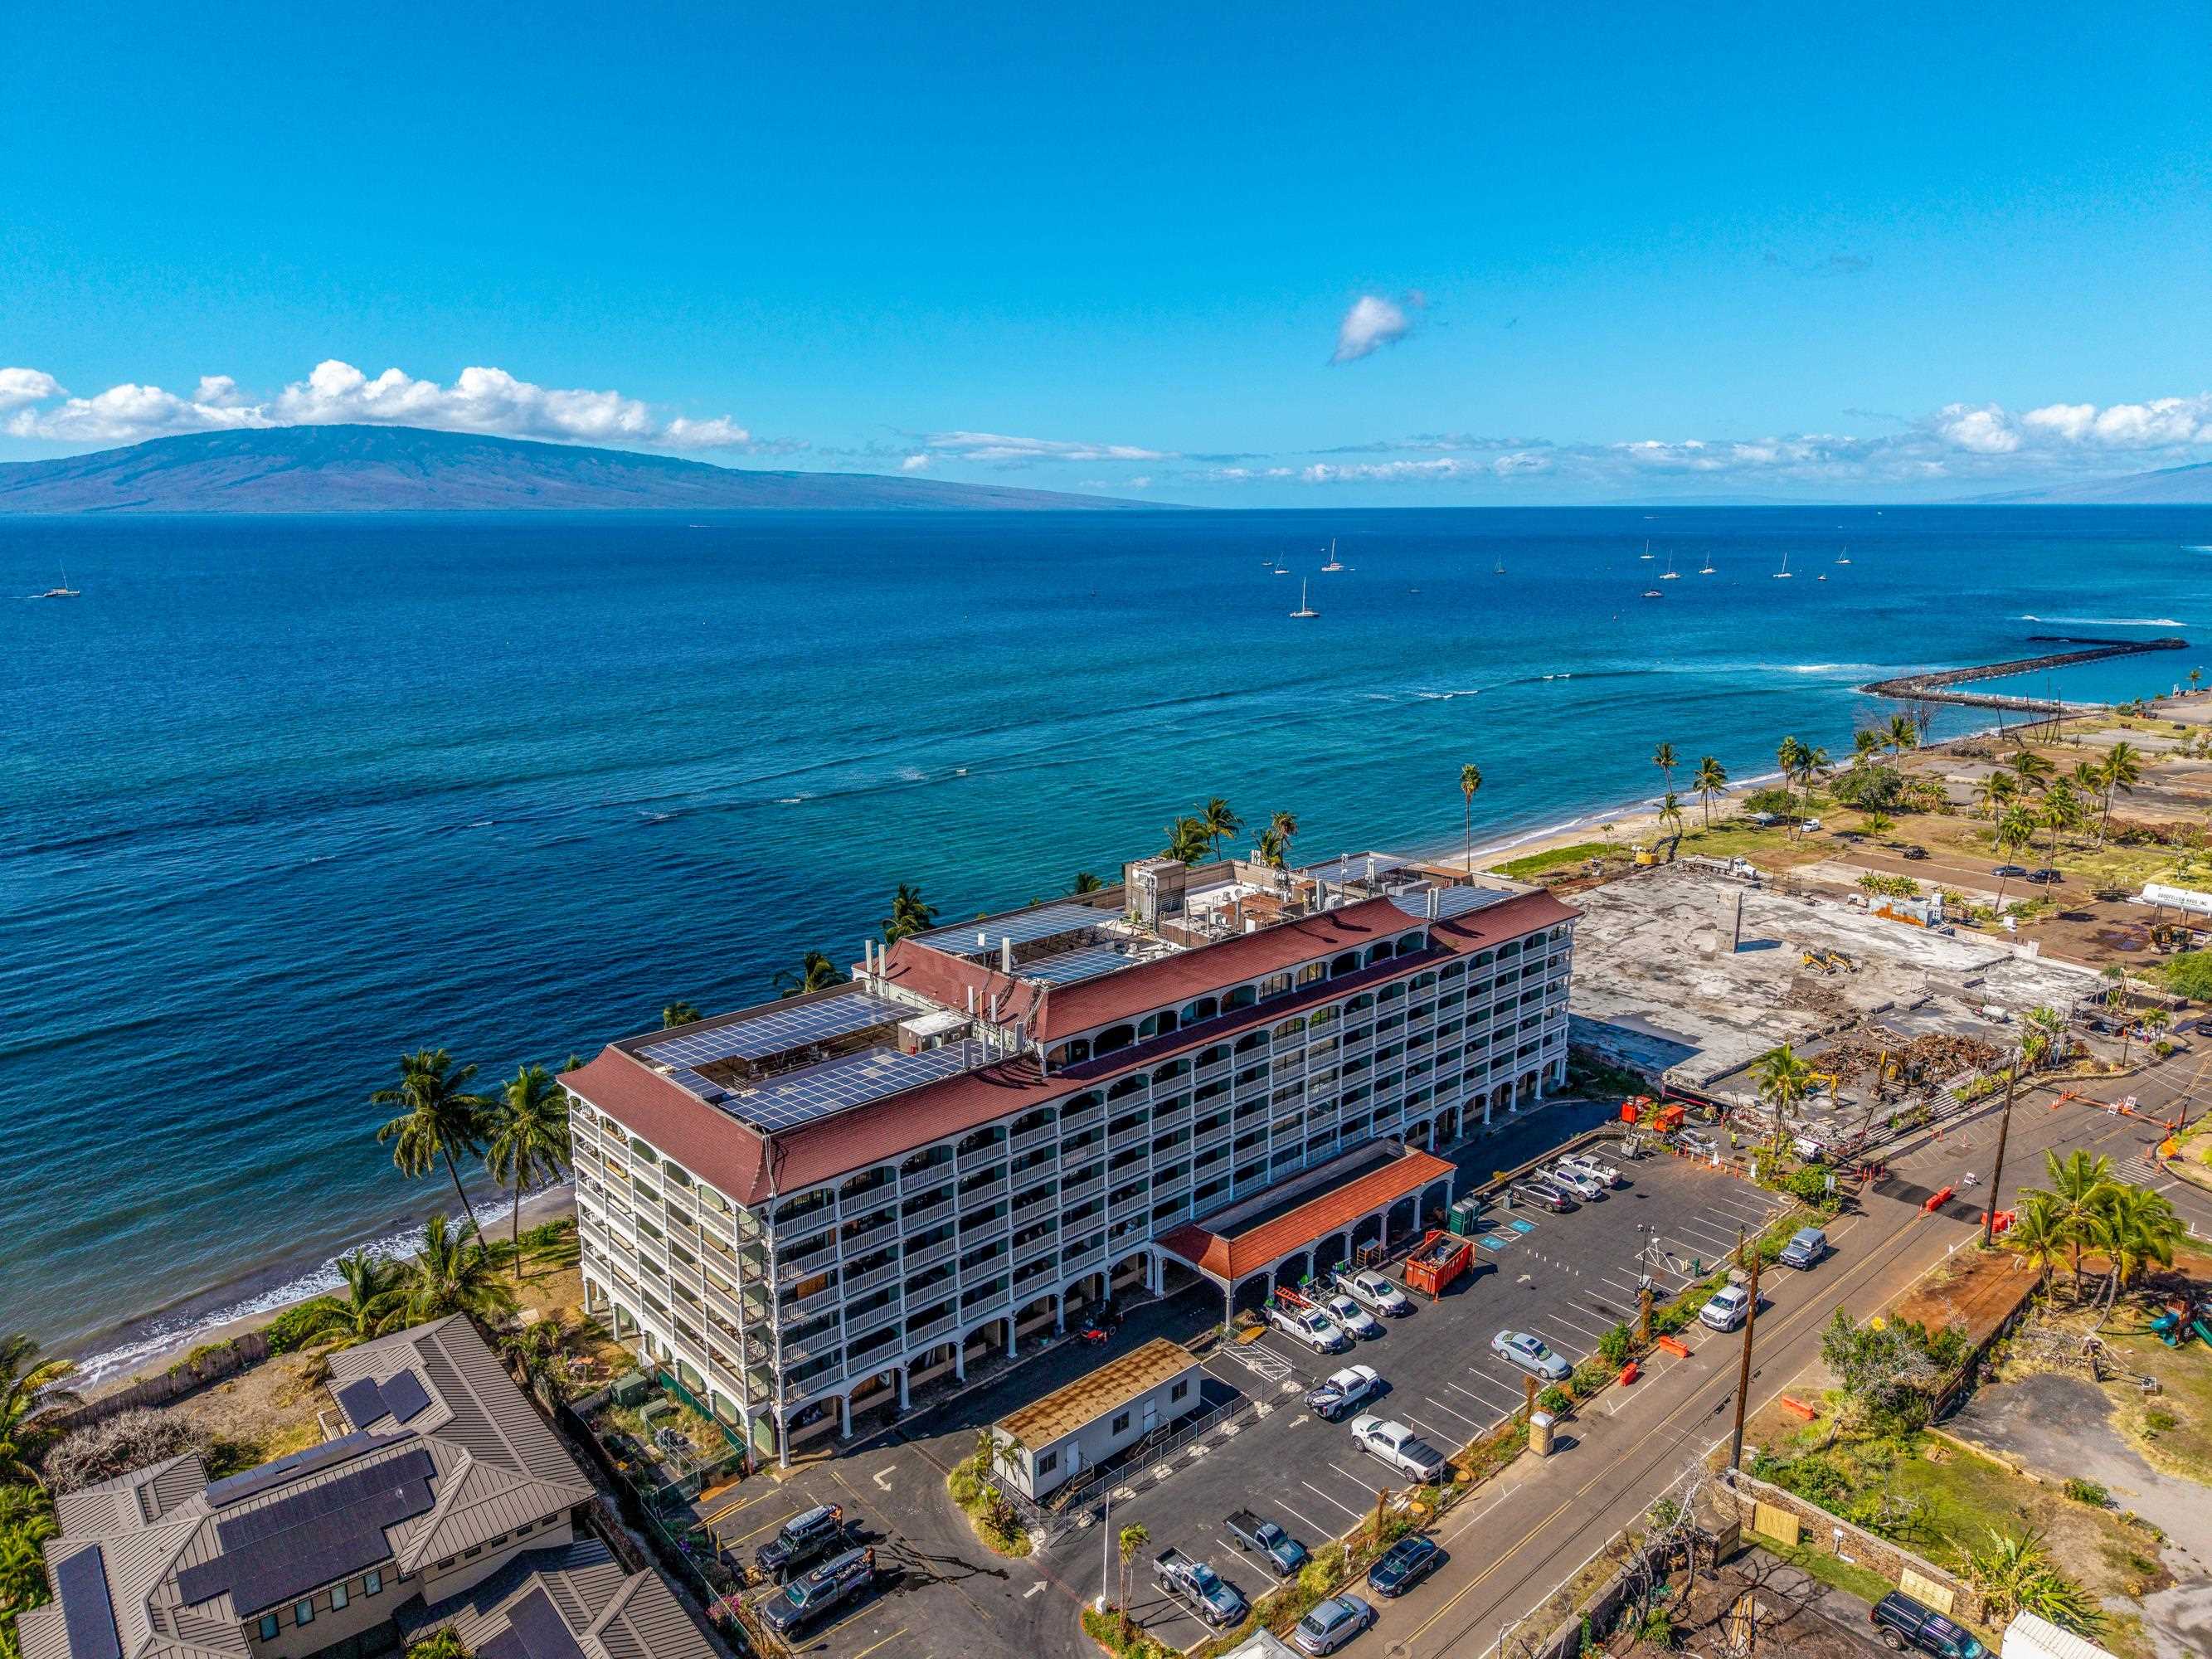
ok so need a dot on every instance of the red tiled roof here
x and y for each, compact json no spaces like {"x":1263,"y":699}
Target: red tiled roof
{"x":1229,"y":1259}
{"x":710,"y":1143}
{"x":946,"y":980}
{"x":1481,"y":930}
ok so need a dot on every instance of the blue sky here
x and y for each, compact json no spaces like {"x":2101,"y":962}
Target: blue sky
{"x":1593,"y":253}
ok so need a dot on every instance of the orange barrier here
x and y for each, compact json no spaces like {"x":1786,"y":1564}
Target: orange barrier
{"x":1938,"y":1199}
{"x":1673,"y":1347}
{"x":1630,"y":1372}
{"x":1799,"y":1407}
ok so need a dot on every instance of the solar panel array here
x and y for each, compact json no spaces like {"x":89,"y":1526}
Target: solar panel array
{"x":838,"y":1085}
{"x":297,"y":1544}
{"x":238,"y":1487}
{"x":535,"y":1629}
{"x":402,"y":1396}
{"x":1450,"y":900}
{"x":1086,"y":962}
{"x":405,"y":1396}
{"x":778,"y":1032}
{"x":361,"y":1401}
{"x":87,"y":1614}
{"x":1047,"y":923}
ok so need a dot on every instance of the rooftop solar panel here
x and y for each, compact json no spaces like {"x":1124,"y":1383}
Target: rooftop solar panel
{"x":87,"y":1614}
{"x":838,"y":1085}
{"x":535,"y":1629}
{"x":1069,"y":966}
{"x":778,"y":1030}
{"x":405,"y":1396}
{"x":361,"y":1401}
{"x":312,"y":1538}
{"x":1047,"y":923}
{"x":1450,"y":900}
{"x":238,"y":1487}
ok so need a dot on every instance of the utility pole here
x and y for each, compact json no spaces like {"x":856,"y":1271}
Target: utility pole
{"x":1743,"y":1370}
{"x":2004,"y":1130}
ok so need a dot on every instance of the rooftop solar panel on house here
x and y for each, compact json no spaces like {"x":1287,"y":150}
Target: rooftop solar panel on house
{"x":778,"y":1032}
{"x":838,"y":1085}
{"x":274,"y":1553}
{"x":1450,"y":900}
{"x":361,"y":1401}
{"x":87,"y":1614}
{"x":535,"y":1629}
{"x":1048,"y":923}
{"x":240,"y":1487}
{"x":1087,"y":962}
{"x":405,"y":1396}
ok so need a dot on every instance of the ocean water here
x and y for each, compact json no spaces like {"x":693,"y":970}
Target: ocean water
{"x":282,"y":798}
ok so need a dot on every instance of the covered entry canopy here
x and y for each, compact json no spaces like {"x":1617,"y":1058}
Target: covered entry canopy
{"x":1239,"y":1251}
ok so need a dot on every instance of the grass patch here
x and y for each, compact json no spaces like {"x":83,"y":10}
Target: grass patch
{"x":2173,"y":1429}
{"x":1558,"y":858}
{"x":1852,"y":1579}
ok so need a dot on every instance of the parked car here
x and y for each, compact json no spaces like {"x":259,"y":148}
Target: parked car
{"x":1298,"y":1319}
{"x":1353,"y":1386}
{"x":1726,"y":1308}
{"x":1807,"y":1246}
{"x":2046,"y":877}
{"x":1541,"y":1196}
{"x":2010,"y":872}
{"x":1697,"y":1141}
{"x":1283,"y":1553}
{"x":1355,"y":1319}
{"x":1904,"y":1625}
{"x":1597,"y":1168}
{"x":1198,"y":1588}
{"x":1400,"y":1447}
{"x":1333,"y":1623}
{"x":801,"y":1541}
{"x":1531,"y":1355}
{"x":1403,"y":1565}
{"x":1915,"y":854}
{"x":1372,"y":1290}
{"x":809,"y":1598}
{"x":1583,"y":1184}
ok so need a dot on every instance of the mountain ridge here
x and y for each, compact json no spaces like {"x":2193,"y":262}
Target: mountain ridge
{"x":2177,"y":486}
{"x":366,"y":469}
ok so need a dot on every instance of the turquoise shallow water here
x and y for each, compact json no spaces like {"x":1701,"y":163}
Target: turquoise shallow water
{"x":282,"y":798}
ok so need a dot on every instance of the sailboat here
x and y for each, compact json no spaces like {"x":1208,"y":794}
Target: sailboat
{"x":1707,"y":570}
{"x":1843,"y":558}
{"x":1672,"y":574}
{"x":1499,"y":568}
{"x":1783,"y":574}
{"x":65,"y":591}
{"x":1647,"y":549}
{"x":1335,"y":564}
{"x":1305,"y":609}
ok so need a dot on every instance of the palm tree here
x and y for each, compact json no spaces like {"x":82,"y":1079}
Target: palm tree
{"x":1866,"y":743}
{"x":1784,"y":1079}
{"x":815,"y":972}
{"x":2061,"y":809}
{"x":29,"y":1385}
{"x":1086,"y":883}
{"x":2120,"y":1002}
{"x":1663,"y":758}
{"x":1132,"y":1541}
{"x":1470,"y":779}
{"x":445,"y":1276}
{"x":1997,"y":792}
{"x":26,"y":1527}
{"x":1710,"y":780}
{"x":679,"y":1013}
{"x":1187,"y":841}
{"x":2038,"y":1232}
{"x":1901,"y":734}
{"x":1219,"y":821}
{"x":2014,"y":832}
{"x":2033,"y":770}
{"x":2122,"y":771}
{"x":910,"y":913}
{"x":531,"y":1351}
{"x":438,"y":1118}
{"x":2135,"y":1228}
{"x":1670,"y":811}
{"x":528,"y":1130}
{"x":2078,"y":1184}
{"x":1286,"y":826}
{"x":1272,"y":848}
{"x":370,"y":1308}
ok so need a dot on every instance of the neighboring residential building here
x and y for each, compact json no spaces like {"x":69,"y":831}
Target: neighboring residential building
{"x":800,"y":1210}
{"x":579,"y":1589}
{"x":445,"y":1475}
{"x":1073,"y":1429}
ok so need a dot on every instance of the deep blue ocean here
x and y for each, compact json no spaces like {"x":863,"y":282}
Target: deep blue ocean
{"x":282,"y":798}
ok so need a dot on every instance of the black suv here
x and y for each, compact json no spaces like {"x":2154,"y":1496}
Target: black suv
{"x":1905,"y":1626}
{"x":801,"y":1541}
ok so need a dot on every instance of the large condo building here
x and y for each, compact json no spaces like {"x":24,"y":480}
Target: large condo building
{"x":801,"y":1210}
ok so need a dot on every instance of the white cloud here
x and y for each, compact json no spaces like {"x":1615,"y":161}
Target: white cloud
{"x":1373,"y":322}
{"x":997,"y":449}
{"x":487,"y":400}
{"x":915,"y":463}
{"x":2070,"y":422}
{"x":1984,"y":429}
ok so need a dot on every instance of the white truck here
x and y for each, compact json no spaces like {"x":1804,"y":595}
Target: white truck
{"x":1297,"y":1318}
{"x":2030,"y":1638}
{"x":1400,"y":1447}
{"x":1376,"y":1293}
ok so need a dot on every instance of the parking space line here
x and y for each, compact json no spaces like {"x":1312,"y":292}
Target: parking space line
{"x":1356,"y":1515}
{"x":1707,"y":1230}
{"x":1429,"y":1428}
{"x":1317,"y":1526}
{"x":1436,"y":1404}
{"x":1553,"y":1342}
{"x":1574,"y":1324}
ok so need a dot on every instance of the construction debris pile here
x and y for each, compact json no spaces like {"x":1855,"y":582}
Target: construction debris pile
{"x":1919,"y":1066}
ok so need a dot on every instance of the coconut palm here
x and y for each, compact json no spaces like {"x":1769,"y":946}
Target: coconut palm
{"x":1866,"y":743}
{"x":2033,"y":770}
{"x":1663,"y":758}
{"x":1084,"y":882}
{"x":910,"y":913}
{"x":527,"y":1127}
{"x":1470,"y":779}
{"x":815,"y":972}
{"x":1711,"y":778}
{"x":2078,"y":1184}
{"x":2122,"y":770}
{"x":2015,"y":831}
{"x":1788,"y":756}
{"x":1901,"y":734}
{"x":1670,"y":811}
{"x":1272,"y":848}
{"x":1132,"y":1541}
{"x":445,"y":1276}
{"x":1784,"y":1079}
{"x":2037,"y":1231}
{"x":439,"y":1120}
{"x":2060,"y":809}
{"x":1219,"y":822}
{"x":371,"y":1306}
{"x":1187,"y":841}
{"x":2135,"y":1228}
{"x":1286,"y":826}
{"x":29,"y":1385}
{"x":1997,"y":792}
{"x":532,"y":1353}
{"x":26,"y":1527}
{"x":679,"y":1012}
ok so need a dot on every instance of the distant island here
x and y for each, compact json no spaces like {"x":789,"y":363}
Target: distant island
{"x":2172,"y":486}
{"x":370,"y":469}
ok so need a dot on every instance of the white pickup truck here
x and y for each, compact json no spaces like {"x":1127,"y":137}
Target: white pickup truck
{"x":1376,"y":1293}
{"x":1400,"y":1447}
{"x":1293,"y":1314}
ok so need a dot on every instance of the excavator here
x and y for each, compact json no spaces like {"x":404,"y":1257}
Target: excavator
{"x":1831,"y":961}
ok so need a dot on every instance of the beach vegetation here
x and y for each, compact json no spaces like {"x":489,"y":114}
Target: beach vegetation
{"x":1470,"y":779}
{"x":1709,"y":779}
{"x":116,"y":1445}
{"x":1663,"y":758}
{"x":1220,"y":822}
{"x":1084,"y":882}
{"x":815,"y":972}
{"x":1532,"y":865}
{"x":526,"y":1143}
{"x":1773,"y":800}
{"x":439,"y":1121}
{"x":1188,"y":842}
{"x":911,"y":914}
{"x":445,"y":1276}
{"x":371,"y":1305}
{"x":679,"y":1013}
{"x":30,"y":1386}
{"x":1284,"y":826}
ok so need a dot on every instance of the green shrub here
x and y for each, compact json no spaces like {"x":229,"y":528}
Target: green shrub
{"x":1555,"y":1400}
{"x":2189,"y":973}
{"x":442,"y":1644}
{"x":1590,"y":1377}
{"x":2089,"y":1492}
{"x":1613,"y":1347}
{"x":296,"y":1326}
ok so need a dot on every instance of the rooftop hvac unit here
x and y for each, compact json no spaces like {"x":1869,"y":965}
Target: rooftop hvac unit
{"x":1155,"y":889}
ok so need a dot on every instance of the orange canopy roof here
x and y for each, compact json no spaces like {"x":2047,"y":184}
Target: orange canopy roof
{"x":1230,"y":1258}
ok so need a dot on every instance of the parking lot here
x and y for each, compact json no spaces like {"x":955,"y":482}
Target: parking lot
{"x":1564,"y":1278}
